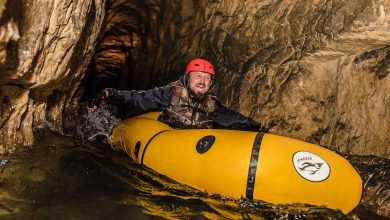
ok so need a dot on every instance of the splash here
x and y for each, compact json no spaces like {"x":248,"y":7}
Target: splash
{"x":91,"y":127}
{"x":3,"y":162}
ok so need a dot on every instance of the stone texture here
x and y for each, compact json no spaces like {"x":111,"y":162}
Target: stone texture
{"x":45,"y":47}
{"x":375,"y":173}
{"x":315,"y":71}
{"x":2,"y":6}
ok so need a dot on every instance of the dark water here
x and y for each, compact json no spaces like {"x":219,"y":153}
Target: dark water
{"x":83,"y":177}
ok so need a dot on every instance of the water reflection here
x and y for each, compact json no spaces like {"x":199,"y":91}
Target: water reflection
{"x":66,"y":178}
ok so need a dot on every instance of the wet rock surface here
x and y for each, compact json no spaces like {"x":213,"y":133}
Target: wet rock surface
{"x":45,"y":47}
{"x":375,"y":173}
{"x":303,"y":69}
{"x":315,"y":71}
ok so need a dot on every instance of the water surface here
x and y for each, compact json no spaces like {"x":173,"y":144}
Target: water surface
{"x":64,"y":177}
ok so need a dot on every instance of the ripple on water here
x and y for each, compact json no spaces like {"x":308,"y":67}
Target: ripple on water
{"x":79,"y":177}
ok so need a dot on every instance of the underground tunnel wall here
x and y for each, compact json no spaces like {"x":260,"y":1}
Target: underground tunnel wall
{"x":313,"y":71}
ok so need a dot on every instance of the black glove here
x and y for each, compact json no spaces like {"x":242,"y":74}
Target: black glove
{"x":95,"y":102}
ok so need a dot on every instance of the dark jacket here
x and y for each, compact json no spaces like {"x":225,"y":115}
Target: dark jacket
{"x":192,"y":114}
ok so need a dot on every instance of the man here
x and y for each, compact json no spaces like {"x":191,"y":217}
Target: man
{"x":185,"y":103}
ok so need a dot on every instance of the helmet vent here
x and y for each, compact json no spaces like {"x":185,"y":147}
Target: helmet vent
{"x":200,"y":65}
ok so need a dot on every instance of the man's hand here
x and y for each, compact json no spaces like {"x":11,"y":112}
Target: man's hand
{"x":95,"y":102}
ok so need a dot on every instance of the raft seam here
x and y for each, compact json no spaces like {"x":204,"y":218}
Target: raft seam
{"x":147,"y":144}
{"x":254,"y":159}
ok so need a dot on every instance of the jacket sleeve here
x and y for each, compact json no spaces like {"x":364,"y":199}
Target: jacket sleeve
{"x":138,"y":102}
{"x":229,"y":119}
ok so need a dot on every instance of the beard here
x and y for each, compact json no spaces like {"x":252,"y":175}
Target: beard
{"x":199,"y":90}
{"x":199,"y":97}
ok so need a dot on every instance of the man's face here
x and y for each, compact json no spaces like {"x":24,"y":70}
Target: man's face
{"x":200,"y":82}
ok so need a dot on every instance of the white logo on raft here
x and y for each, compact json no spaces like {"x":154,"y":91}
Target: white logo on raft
{"x":310,"y":166}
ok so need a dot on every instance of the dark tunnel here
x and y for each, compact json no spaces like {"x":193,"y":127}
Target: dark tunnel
{"x":130,"y":49}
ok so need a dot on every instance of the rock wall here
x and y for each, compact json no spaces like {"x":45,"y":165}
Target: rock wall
{"x":2,"y":4}
{"x":315,"y":71}
{"x":45,"y":47}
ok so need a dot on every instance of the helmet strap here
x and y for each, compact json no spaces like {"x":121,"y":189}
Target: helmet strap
{"x":185,"y":80}
{"x":212,"y":87}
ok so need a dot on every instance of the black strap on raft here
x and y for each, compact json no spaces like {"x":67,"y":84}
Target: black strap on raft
{"x":147,"y":144}
{"x":136,"y":148}
{"x":250,"y":184}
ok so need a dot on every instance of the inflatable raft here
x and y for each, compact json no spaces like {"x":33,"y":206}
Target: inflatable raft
{"x":259,"y":166}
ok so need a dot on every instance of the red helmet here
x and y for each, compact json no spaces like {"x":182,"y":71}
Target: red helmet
{"x":200,"y":65}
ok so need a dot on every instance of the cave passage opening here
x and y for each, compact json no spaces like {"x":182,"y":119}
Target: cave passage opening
{"x":135,"y":49}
